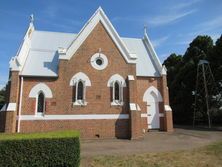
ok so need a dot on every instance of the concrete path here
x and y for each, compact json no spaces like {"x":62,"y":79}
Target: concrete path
{"x":153,"y":142}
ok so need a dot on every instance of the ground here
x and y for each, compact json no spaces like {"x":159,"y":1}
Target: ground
{"x":155,"y":144}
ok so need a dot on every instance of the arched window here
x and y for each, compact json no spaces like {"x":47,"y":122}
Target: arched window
{"x":79,"y":82}
{"x":116,"y":91}
{"x":41,"y":103}
{"x":80,"y":90}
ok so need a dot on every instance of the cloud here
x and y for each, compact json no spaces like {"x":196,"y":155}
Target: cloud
{"x":211,"y":24}
{"x":170,"y":13}
{"x":168,"y":18}
{"x":211,"y":27}
{"x":159,"y":41}
{"x":182,"y":5}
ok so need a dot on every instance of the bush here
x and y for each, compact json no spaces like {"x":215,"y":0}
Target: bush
{"x":40,"y":149}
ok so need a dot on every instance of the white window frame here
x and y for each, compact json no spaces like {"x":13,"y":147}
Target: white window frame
{"x":120,"y":101}
{"x":36,"y":108}
{"x":83,"y":101}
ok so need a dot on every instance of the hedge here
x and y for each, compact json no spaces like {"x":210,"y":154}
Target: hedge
{"x":40,"y":149}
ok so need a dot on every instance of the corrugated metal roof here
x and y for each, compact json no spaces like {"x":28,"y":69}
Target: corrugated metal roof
{"x":42,"y":59}
{"x":144,"y":63}
{"x":45,"y":40}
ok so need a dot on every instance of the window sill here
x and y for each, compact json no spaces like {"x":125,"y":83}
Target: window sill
{"x":79,"y":103}
{"x":39,"y":115}
{"x":117,"y":103}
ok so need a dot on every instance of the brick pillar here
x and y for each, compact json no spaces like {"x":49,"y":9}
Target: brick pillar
{"x":135,"y":114}
{"x":168,"y":118}
{"x":12,"y":106}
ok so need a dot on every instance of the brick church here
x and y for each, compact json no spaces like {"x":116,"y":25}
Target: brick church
{"x":95,"y":81}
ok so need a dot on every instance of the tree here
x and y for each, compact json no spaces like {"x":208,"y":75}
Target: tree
{"x":2,"y":97}
{"x":182,"y":75}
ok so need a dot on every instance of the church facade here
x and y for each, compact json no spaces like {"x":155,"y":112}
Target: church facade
{"x":95,"y":81}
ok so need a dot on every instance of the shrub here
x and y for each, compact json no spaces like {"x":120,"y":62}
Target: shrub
{"x":40,"y":149}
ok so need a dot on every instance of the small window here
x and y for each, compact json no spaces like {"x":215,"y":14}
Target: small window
{"x":116,"y":93}
{"x":99,"y":61}
{"x":80,"y":91}
{"x":41,"y":103}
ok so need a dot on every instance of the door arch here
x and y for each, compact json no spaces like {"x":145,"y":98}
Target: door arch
{"x":152,"y":97}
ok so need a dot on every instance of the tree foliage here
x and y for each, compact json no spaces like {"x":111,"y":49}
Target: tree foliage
{"x":182,"y":71}
{"x":2,"y":96}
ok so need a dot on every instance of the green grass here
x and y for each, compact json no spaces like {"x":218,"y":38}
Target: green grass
{"x":43,"y":135}
{"x":208,"y":156}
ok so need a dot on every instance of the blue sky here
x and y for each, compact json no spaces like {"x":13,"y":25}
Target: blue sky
{"x":171,"y":24}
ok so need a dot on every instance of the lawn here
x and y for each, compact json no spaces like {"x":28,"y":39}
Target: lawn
{"x":208,"y":156}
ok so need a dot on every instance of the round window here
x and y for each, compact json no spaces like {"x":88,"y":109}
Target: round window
{"x":99,"y":61}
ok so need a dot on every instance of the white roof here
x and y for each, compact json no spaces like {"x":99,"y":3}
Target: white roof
{"x":41,"y":51}
{"x":42,"y":59}
{"x":145,"y":65}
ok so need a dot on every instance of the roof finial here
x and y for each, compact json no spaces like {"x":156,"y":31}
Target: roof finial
{"x":31,"y":18}
{"x":145,"y":29}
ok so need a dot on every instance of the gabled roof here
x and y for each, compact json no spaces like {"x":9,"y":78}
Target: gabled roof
{"x":99,"y":16}
{"x":39,"y":53}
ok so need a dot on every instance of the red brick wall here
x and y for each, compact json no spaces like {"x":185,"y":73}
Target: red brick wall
{"x":87,"y":128}
{"x":8,"y":118}
{"x":98,"y":95}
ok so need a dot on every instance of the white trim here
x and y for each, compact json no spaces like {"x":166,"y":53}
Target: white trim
{"x":20,"y":104}
{"x":79,"y":103}
{"x":167,"y":108}
{"x":133,"y":107}
{"x":131,"y":78}
{"x":103,"y":59}
{"x":98,"y":16}
{"x":116,"y":77}
{"x":152,"y":52}
{"x":16,"y":63}
{"x":74,"y":117}
{"x":148,"y":95}
{"x":11,"y":107}
{"x":116,"y":103}
{"x":80,"y":76}
{"x":41,"y":87}
{"x":145,"y":115}
{"x":164,"y":70}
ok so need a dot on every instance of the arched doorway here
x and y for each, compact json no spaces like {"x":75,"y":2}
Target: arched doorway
{"x":152,"y":97}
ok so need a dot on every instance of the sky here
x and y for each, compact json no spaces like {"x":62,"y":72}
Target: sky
{"x":171,"y":25}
